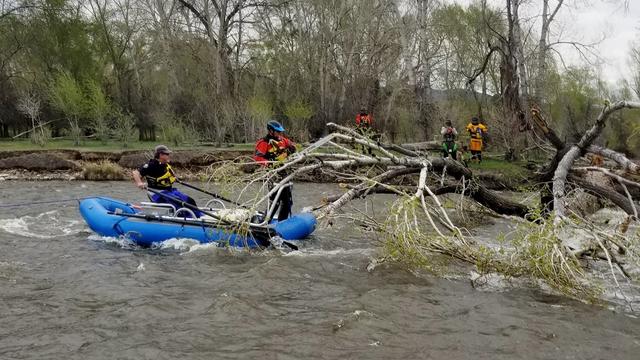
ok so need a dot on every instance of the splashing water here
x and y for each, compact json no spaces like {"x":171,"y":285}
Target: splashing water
{"x":179,"y":244}
{"x":183,"y":245}
{"x":47,"y":225}
{"x":122,"y":241}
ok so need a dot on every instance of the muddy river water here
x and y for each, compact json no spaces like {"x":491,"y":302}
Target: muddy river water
{"x":66,"y":293}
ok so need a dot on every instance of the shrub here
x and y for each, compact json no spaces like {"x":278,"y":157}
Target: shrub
{"x":41,"y":136}
{"x":173,"y":132}
{"x":299,"y":112}
{"x":104,"y":170}
{"x":125,"y":128}
{"x":98,"y":108}
{"x":66,"y":96}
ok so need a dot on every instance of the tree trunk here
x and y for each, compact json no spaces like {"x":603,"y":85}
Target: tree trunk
{"x":541,"y":56}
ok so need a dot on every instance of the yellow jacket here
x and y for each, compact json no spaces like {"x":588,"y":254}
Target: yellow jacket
{"x":476,"y":131}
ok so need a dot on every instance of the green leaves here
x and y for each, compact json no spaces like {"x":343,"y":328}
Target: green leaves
{"x":260,"y":108}
{"x":173,"y":130}
{"x":66,"y":96}
{"x":299,"y":112}
{"x":98,"y":109}
{"x":89,"y":102}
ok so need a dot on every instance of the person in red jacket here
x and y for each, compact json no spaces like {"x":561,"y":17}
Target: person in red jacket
{"x":271,"y":149}
{"x":364,"y":126}
{"x":363,"y":119}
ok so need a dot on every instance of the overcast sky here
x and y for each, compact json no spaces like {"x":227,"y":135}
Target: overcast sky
{"x":588,"y":21}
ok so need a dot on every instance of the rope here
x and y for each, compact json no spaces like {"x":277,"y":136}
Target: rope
{"x":117,"y":227}
{"x":41,"y":202}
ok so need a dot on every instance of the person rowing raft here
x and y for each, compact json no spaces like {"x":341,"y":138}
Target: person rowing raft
{"x":160,"y":176}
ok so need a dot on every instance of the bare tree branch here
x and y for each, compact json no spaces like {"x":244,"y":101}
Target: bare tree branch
{"x":578,"y":150}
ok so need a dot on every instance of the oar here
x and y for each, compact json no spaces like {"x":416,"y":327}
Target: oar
{"x":211,"y":194}
{"x":189,"y":206}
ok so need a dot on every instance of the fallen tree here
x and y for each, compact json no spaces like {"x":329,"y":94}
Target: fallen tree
{"x":420,"y":225}
{"x":567,"y":154}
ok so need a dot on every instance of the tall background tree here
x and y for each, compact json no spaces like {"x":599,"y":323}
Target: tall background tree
{"x":216,"y":70}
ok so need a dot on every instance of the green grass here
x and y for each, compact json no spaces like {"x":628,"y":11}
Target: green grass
{"x":95,"y":145}
{"x":493,"y":163}
{"x":500,"y":166}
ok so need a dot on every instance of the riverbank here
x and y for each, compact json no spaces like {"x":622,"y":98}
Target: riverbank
{"x":66,"y":164}
{"x":193,"y":164}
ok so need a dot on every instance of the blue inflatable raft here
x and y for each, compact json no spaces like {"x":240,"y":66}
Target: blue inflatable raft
{"x":109,"y":217}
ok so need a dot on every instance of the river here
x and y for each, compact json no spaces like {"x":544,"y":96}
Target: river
{"x":67,"y":293}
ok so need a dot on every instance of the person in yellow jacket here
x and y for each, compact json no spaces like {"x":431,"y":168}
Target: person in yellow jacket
{"x":160,"y":177}
{"x":477,"y":132}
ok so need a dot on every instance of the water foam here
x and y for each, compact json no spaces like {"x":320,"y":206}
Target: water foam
{"x":330,"y":253}
{"x":122,"y":242}
{"x":176,"y":244}
{"x":46,"y":225}
{"x":184,"y":245}
{"x":207,"y":246}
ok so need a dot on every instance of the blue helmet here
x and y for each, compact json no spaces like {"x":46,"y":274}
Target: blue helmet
{"x":275,"y":126}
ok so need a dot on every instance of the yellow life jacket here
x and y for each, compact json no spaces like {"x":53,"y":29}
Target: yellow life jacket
{"x":476,"y":131}
{"x":165,"y":180}
{"x":277,"y":150}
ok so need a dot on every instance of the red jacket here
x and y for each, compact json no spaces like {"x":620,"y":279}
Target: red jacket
{"x":270,"y":148}
{"x":364,"y":120}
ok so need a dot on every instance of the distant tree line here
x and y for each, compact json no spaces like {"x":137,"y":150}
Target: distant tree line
{"x":216,"y":70}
